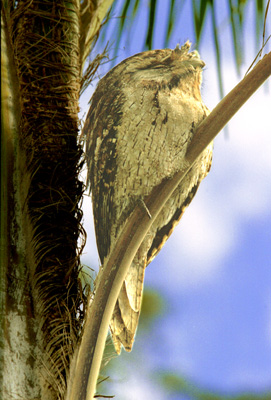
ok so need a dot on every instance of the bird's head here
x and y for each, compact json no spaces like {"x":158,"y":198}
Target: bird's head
{"x":159,"y":68}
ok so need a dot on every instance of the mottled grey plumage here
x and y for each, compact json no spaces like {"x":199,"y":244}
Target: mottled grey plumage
{"x":141,"y":119}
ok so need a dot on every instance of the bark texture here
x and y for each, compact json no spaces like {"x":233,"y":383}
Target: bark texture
{"x":47,"y":222}
{"x":45,"y":45}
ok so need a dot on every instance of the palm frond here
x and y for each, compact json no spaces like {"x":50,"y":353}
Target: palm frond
{"x":149,"y":38}
{"x":217,"y":47}
{"x":236,"y":19}
{"x":199,"y":14}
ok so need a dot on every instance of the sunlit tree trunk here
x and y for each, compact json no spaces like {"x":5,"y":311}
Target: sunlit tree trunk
{"x":44,"y":47}
{"x":18,"y":326}
{"x":40,"y":193}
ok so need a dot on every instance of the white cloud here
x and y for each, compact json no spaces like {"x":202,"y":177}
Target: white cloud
{"x":90,"y":255}
{"x":135,"y":387}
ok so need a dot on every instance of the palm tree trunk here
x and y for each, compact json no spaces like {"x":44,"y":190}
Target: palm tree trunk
{"x":41,"y":302}
{"x":18,"y":327}
{"x":44,"y":47}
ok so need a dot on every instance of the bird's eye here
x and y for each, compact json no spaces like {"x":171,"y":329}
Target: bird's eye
{"x":150,"y":66}
{"x":158,"y":66}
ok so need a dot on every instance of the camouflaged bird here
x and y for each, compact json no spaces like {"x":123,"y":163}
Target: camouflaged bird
{"x":141,"y":120}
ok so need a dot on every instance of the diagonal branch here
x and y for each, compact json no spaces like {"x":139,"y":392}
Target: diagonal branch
{"x":85,"y":369}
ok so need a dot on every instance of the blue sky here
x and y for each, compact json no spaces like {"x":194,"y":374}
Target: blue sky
{"x":214,"y":273}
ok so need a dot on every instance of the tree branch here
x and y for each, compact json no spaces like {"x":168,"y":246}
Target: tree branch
{"x":85,"y":369}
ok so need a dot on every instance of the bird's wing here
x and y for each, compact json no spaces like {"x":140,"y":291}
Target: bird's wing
{"x":100,"y":131}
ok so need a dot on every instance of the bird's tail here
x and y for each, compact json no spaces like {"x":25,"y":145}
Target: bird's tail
{"x":127,"y":309}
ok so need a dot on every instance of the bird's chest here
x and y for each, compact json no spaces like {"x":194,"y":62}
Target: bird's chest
{"x":156,"y":127}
